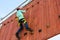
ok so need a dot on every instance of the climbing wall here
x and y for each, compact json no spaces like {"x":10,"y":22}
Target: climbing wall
{"x":43,"y":16}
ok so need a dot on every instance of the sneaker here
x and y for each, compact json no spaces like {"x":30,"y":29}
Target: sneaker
{"x":29,"y":29}
{"x":17,"y":35}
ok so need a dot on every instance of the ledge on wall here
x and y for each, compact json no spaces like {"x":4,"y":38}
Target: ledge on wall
{"x":57,"y":37}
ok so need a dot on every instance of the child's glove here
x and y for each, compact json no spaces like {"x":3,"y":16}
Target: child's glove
{"x":16,"y":19}
{"x":18,"y":24}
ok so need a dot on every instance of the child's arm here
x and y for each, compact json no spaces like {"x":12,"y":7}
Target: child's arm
{"x":23,"y":10}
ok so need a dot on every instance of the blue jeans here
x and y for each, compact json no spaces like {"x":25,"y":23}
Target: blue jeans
{"x":21,"y":27}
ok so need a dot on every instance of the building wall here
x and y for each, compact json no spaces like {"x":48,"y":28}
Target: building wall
{"x":43,"y":16}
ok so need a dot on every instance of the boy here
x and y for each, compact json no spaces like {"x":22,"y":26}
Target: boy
{"x":21,"y":20}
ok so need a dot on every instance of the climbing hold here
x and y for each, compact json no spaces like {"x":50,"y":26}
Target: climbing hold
{"x":4,"y":24}
{"x":8,"y":22}
{"x":37,"y":2}
{"x":40,"y":30}
{"x":27,"y":8}
{"x":47,"y":25}
{"x":11,"y":20}
{"x":31,"y":33}
{"x":25,"y":33}
{"x":32,"y":5}
{"x":59,"y":16}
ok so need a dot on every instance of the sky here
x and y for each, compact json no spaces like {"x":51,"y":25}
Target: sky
{"x":6,"y":6}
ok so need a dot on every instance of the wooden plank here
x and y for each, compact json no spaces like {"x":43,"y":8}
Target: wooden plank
{"x":42,"y":17}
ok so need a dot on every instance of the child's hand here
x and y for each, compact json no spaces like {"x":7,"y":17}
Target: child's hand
{"x":16,"y":19}
{"x":18,"y":24}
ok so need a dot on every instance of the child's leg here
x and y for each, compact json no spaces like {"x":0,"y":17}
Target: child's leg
{"x":27,"y":27}
{"x":20,"y":29}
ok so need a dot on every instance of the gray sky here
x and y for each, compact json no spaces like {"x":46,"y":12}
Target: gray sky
{"x":7,"y":6}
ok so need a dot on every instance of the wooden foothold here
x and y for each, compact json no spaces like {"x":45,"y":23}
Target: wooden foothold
{"x":40,"y":30}
{"x":59,"y":16}
{"x":32,"y":5}
{"x":8,"y":22}
{"x":37,"y":2}
{"x":4,"y":24}
{"x":25,"y":33}
{"x":31,"y":33}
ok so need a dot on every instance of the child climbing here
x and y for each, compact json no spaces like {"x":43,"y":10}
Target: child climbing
{"x":22,"y":21}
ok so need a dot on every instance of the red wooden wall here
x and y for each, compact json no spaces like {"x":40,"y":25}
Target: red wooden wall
{"x":43,"y":16}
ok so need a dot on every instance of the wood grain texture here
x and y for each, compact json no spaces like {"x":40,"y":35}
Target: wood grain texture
{"x":43,"y":16}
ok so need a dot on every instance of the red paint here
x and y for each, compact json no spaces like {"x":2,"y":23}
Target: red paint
{"x":42,"y":15}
